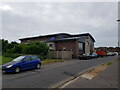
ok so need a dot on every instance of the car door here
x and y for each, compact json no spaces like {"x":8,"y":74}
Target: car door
{"x":26,"y":63}
{"x":33,"y":61}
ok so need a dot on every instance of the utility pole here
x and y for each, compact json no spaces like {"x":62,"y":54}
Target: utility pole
{"x":118,"y":33}
{"x":118,"y":44}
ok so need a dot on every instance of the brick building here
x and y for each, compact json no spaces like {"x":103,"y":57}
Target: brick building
{"x":79,"y":43}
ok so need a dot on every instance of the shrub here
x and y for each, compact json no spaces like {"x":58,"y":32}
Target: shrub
{"x":42,"y":57}
{"x":11,"y":55}
{"x":36,"y":48}
{"x":15,"y":49}
{"x":32,"y":48}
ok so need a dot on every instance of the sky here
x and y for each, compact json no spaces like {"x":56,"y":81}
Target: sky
{"x":26,"y":19}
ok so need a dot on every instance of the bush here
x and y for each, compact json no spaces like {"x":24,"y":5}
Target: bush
{"x":16,"y":49}
{"x":34,"y":48}
{"x":42,"y":57}
{"x":11,"y":55}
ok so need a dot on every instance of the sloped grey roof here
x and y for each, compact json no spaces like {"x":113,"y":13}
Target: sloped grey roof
{"x":71,"y":36}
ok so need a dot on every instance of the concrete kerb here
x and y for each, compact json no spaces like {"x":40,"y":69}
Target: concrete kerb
{"x":60,"y":84}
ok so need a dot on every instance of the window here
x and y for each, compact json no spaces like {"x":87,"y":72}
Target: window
{"x":50,"y":45}
{"x":33,"y":57}
{"x":80,"y":46}
{"x":52,"y":38}
{"x":18,"y":59}
{"x":27,"y":59}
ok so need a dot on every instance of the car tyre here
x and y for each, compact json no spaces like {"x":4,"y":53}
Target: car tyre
{"x":38,"y":66}
{"x":17,"y":70}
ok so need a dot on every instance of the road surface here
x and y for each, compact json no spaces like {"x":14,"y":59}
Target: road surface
{"x":50,"y":74}
{"x":105,"y":79}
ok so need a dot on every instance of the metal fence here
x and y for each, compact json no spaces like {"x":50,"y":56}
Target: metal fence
{"x":65,"y":55}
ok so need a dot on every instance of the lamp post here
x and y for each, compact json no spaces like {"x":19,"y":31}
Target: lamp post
{"x":118,"y":33}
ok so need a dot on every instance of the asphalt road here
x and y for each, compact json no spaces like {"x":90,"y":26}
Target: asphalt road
{"x":105,"y":79}
{"x":50,"y":74}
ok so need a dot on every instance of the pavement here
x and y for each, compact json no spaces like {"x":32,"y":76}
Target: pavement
{"x":105,"y":79}
{"x":51,"y":75}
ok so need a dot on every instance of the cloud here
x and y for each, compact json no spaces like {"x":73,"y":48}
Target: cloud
{"x":6,"y":8}
{"x":30,"y":19}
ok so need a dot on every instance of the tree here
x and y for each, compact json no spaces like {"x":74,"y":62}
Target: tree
{"x":12,"y":44}
{"x":14,"y":49}
{"x":36,"y":48}
{"x":4,"y":45}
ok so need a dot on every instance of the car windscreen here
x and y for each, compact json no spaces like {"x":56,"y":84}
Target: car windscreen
{"x":18,"y":59}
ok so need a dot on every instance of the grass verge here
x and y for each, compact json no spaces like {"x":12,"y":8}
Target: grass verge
{"x":109,"y":63}
{"x":47,"y":61}
{"x":4,"y":60}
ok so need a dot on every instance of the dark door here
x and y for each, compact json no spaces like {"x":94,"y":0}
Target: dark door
{"x":26,"y":63}
{"x":33,"y":61}
{"x":83,"y":47}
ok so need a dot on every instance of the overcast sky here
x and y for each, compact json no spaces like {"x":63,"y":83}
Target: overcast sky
{"x":32,"y":19}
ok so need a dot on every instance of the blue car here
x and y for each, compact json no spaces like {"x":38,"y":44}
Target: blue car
{"x":22,"y":63}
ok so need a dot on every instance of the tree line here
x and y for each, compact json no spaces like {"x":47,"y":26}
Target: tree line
{"x":14,"y":49}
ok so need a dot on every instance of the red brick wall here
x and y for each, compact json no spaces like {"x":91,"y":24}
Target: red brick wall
{"x":69,"y":45}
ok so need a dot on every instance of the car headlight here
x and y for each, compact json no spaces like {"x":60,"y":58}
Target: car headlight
{"x":9,"y":66}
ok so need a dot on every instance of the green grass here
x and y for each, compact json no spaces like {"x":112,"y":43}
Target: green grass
{"x":4,"y":60}
{"x":109,"y":63}
{"x":47,"y":61}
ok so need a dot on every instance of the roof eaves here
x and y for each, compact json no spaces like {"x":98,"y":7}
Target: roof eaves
{"x":44,"y":36}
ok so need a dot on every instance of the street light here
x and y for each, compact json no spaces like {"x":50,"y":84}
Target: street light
{"x":118,"y":33}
